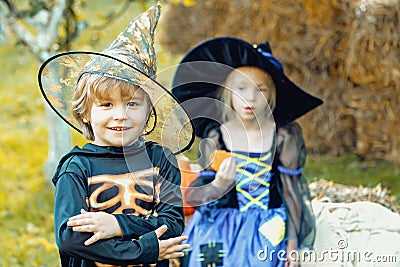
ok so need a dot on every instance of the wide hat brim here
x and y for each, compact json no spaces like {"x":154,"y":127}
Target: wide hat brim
{"x":204,"y":69}
{"x":58,"y":77}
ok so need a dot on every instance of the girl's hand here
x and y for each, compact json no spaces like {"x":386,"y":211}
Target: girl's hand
{"x":225,"y":176}
{"x":102,"y":225}
{"x":170,"y":248}
{"x":290,"y":261}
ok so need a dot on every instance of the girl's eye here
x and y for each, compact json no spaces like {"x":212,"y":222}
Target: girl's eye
{"x":263,"y":89}
{"x":132,"y":104}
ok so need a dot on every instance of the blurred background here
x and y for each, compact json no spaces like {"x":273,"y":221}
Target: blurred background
{"x":343,"y":51}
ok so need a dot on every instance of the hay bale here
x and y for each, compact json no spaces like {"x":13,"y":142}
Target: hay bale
{"x":376,"y":112}
{"x":345,"y":52}
{"x":372,"y":50}
{"x":372,"y":65}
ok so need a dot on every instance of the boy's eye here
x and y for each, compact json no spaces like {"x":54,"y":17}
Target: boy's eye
{"x":105,"y":104}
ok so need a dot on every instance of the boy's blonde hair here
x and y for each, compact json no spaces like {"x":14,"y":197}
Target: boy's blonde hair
{"x":95,"y":86}
{"x":225,"y":93}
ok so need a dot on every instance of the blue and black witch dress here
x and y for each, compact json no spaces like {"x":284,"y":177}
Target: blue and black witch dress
{"x":249,"y":226}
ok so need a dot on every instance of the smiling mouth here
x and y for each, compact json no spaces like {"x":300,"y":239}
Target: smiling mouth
{"x":119,"y":129}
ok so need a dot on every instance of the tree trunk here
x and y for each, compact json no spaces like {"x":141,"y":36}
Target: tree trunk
{"x":59,"y":137}
{"x":46,"y":23}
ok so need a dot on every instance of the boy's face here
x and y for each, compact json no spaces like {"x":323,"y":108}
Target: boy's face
{"x":117,"y":120}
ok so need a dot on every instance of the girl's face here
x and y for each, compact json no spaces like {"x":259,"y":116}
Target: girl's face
{"x":251,"y":88}
{"x":117,"y":120}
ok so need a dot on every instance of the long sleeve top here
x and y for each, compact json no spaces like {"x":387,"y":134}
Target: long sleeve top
{"x":138,"y":184}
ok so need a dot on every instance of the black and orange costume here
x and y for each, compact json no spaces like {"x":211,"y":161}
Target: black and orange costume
{"x":137,"y":183}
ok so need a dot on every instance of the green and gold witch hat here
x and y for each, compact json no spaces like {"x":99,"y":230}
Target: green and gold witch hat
{"x":131,"y":57}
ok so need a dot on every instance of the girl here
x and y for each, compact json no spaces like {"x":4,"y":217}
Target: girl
{"x":116,"y":197}
{"x":254,"y":206}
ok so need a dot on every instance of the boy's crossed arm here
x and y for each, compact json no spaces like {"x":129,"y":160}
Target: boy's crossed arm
{"x":104,"y":225}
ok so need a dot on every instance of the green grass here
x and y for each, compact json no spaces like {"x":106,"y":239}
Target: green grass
{"x":26,"y":201}
{"x":350,"y":170}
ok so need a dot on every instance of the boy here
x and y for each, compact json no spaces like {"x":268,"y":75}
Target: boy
{"x":126,"y":188}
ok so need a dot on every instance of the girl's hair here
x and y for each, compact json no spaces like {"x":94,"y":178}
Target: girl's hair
{"x":95,"y":86}
{"x":225,"y":93}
